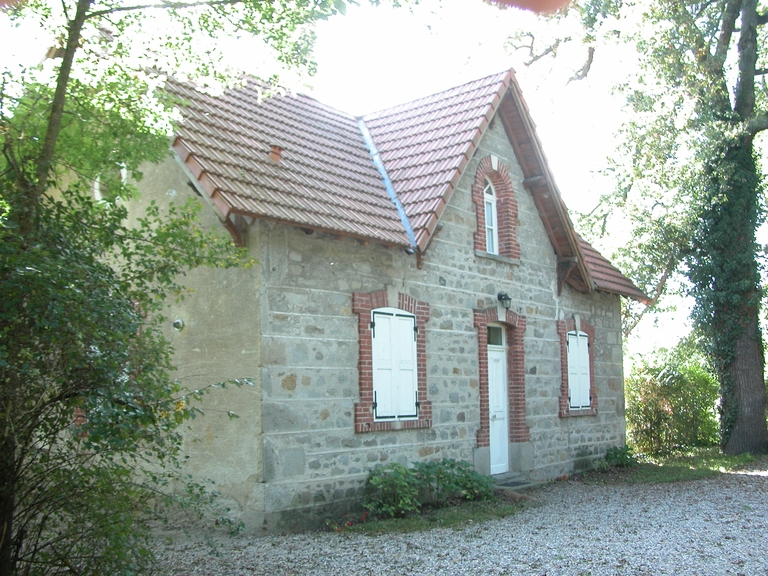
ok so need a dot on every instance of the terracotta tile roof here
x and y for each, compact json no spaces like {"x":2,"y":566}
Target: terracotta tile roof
{"x":324,"y":179}
{"x":607,"y":277}
{"x":425,"y":145}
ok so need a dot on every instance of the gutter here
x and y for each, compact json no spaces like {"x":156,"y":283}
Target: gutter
{"x":376,"y":157}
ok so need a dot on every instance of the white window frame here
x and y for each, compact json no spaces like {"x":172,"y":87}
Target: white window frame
{"x":491,"y":218}
{"x":579,"y":377}
{"x":394,"y":361}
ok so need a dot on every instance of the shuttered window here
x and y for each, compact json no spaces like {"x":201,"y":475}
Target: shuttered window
{"x":578,"y":370}
{"x":395,"y":386}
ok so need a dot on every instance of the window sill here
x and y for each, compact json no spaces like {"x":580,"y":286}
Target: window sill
{"x":580,"y":412}
{"x":364,"y":421}
{"x":497,"y":257}
{"x":391,"y":425}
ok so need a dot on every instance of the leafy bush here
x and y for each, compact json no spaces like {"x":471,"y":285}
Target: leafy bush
{"x":620,"y":457}
{"x":394,"y":490}
{"x":472,"y":485}
{"x":671,"y":402}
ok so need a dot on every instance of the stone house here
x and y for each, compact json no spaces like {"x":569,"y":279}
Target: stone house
{"x":419,"y":293}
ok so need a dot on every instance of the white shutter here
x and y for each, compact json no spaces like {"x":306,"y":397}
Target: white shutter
{"x":383,"y":373}
{"x":404,"y":340}
{"x":578,"y":370}
{"x":394,"y":364}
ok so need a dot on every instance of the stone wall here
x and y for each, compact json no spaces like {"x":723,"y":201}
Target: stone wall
{"x":312,"y":455}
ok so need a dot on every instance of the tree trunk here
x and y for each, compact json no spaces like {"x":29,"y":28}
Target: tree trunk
{"x":33,"y":189}
{"x":749,"y":432}
{"x":727,"y":288}
{"x":7,"y":507}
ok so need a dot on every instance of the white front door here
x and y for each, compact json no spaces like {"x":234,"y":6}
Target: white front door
{"x":497,"y":406}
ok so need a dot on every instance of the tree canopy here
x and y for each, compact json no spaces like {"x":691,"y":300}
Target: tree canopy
{"x":89,"y":408}
{"x":689,"y":179}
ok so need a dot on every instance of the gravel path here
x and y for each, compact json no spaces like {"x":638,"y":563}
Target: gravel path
{"x":707,"y":527}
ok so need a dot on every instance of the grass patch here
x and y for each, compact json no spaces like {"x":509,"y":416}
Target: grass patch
{"x":694,"y":465}
{"x":458,"y":515}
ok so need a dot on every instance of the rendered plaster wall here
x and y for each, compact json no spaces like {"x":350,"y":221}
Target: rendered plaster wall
{"x":313,"y":459}
{"x":219,"y":341}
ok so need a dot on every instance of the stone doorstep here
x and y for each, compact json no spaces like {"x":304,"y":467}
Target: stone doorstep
{"x":513,"y":481}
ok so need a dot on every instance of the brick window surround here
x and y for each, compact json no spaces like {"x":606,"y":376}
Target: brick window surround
{"x":506,"y":207}
{"x":563,"y":327}
{"x":362,"y":305}
{"x":515,"y":328}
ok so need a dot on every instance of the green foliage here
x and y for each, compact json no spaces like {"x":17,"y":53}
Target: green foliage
{"x":89,"y":409}
{"x":620,"y":457}
{"x":689,"y":183}
{"x":671,"y":403}
{"x":394,"y":490}
{"x":724,"y":272}
{"x":695,"y":464}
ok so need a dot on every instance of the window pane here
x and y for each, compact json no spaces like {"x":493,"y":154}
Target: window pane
{"x":495,"y":336}
{"x":490,"y":227}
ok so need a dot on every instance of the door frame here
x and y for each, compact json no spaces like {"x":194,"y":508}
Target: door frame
{"x":499,"y":439}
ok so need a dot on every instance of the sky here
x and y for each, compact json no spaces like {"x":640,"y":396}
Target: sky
{"x":376,"y":57}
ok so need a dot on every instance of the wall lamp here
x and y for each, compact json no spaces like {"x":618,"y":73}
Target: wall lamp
{"x":505,"y":300}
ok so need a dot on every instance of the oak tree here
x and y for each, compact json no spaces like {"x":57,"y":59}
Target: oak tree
{"x":690,"y":180}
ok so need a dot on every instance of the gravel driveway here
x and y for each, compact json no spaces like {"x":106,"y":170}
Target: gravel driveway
{"x":717,"y":526}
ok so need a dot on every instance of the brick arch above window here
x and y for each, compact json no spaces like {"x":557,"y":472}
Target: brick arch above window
{"x":362,"y":305}
{"x":515,"y":327}
{"x":497,"y":174}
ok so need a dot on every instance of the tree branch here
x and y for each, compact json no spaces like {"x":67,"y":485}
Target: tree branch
{"x":582,"y":73}
{"x":730,"y":14}
{"x":658,"y":291}
{"x":745,"y":85}
{"x":552,"y":49}
{"x":164,"y":6}
{"x":34,"y":191}
{"x":757,"y":124}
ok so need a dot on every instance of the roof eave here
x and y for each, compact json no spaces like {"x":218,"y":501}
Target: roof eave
{"x":540,"y":182}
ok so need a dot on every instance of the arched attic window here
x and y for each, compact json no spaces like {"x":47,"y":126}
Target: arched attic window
{"x":491,"y":218}
{"x":496,"y":210}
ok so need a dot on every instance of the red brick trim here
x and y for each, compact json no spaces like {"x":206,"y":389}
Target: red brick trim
{"x":362,"y":305}
{"x":515,"y":325}
{"x":506,"y":207}
{"x":563,"y":327}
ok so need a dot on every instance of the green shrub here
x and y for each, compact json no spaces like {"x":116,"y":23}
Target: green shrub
{"x":472,"y":485}
{"x":671,"y":403}
{"x":394,"y":490}
{"x":391,"y":491}
{"x":620,"y":457}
